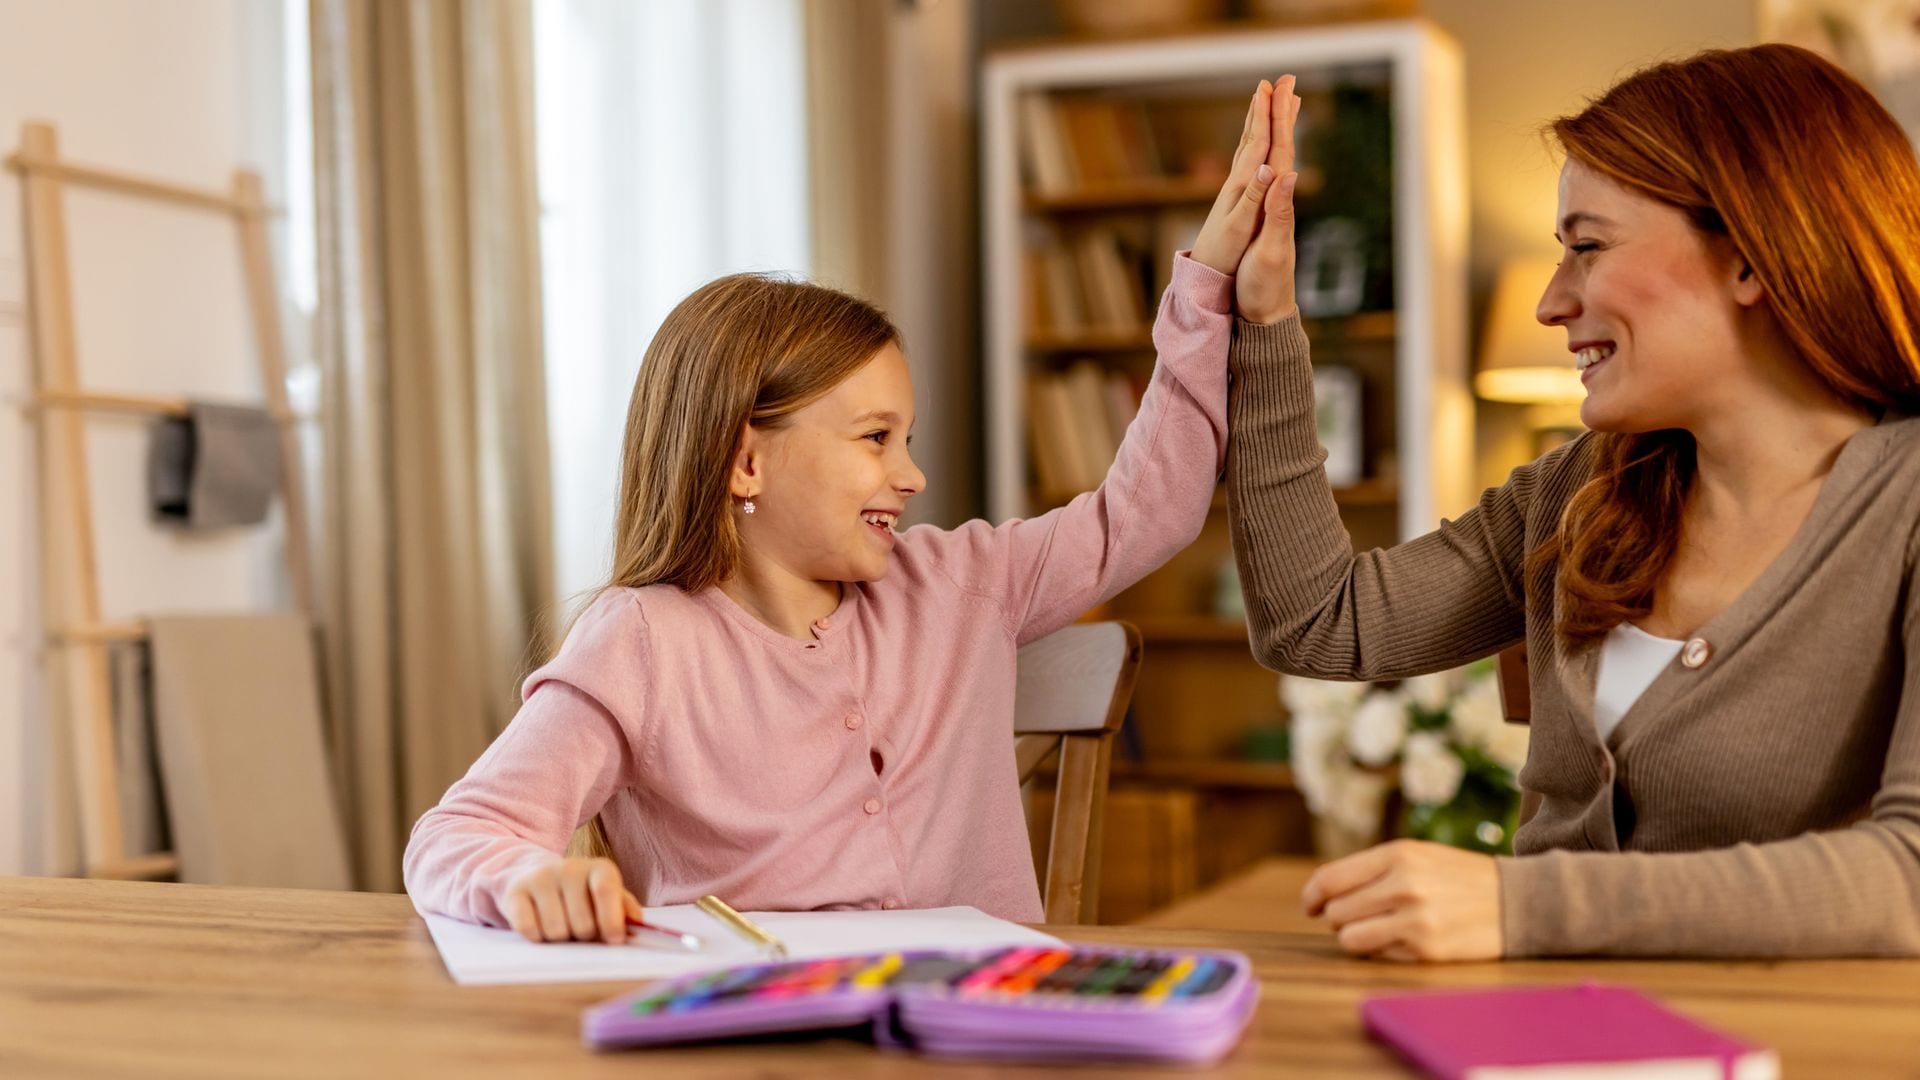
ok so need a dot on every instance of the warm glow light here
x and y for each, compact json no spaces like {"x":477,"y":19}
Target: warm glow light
{"x":1531,"y":386}
{"x":1521,"y":360}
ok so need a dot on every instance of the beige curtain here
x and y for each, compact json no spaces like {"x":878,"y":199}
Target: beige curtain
{"x":435,"y":530}
{"x":847,"y":43}
{"x":890,"y":175}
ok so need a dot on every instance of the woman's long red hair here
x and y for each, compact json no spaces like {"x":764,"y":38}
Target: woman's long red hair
{"x":1817,"y":187}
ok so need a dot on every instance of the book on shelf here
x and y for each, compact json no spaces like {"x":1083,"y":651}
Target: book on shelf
{"x":1174,"y":231}
{"x":1076,"y":420}
{"x":1062,"y":307}
{"x":1049,"y":416}
{"x":1112,"y":290}
{"x":1070,"y":143}
{"x":1043,"y":147}
{"x":1099,"y":441}
{"x":1089,"y":280}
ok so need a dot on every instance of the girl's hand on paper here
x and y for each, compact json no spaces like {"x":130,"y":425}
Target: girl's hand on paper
{"x":1264,"y":157}
{"x":1411,"y":900}
{"x":572,"y":900}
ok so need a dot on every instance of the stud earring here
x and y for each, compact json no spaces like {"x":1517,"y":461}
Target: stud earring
{"x":747,"y":507}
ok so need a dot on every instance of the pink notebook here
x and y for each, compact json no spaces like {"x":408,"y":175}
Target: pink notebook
{"x":1588,"y":1031}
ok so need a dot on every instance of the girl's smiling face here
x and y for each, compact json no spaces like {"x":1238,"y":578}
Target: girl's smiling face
{"x":1651,"y":304}
{"x":829,"y":485}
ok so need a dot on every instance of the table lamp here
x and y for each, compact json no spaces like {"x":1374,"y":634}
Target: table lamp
{"x":1522,"y":361}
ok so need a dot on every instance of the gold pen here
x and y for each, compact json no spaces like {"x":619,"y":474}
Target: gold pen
{"x":738,"y":923}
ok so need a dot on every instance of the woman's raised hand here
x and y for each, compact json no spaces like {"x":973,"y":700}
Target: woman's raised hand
{"x":1263,"y":280}
{"x":1258,"y":191}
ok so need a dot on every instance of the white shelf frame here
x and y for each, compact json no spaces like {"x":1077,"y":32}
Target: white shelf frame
{"x":1435,"y":406}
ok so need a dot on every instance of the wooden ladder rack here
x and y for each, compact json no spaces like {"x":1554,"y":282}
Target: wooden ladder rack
{"x":78,"y":637}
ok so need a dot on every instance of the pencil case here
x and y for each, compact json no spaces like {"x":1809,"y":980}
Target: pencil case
{"x":1039,"y":1003}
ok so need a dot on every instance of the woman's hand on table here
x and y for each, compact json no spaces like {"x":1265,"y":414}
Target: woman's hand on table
{"x":1411,"y":900}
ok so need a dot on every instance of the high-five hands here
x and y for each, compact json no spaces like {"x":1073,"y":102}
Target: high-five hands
{"x":1249,"y":231}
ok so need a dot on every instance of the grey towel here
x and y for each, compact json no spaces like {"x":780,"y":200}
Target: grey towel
{"x":216,"y":468}
{"x":249,"y":793}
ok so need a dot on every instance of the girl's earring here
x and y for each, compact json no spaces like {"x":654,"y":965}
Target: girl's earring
{"x":747,"y":508}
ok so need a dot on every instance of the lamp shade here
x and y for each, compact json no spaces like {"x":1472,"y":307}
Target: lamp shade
{"x":1520,"y":359}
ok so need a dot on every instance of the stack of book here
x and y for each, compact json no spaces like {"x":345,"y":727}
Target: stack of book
{"x":1077,"y":420}
{"x":1075,"y":143}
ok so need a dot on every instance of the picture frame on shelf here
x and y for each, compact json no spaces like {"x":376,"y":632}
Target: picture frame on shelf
{"x":1339,"y":418}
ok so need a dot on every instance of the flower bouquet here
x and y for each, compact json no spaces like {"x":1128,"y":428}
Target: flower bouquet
{"x":1441,"y":740}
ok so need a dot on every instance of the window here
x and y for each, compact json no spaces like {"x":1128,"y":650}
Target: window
{"x":672,"y":149}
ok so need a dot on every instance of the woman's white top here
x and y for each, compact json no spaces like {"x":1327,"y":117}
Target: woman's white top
{"x":1630,"y":659}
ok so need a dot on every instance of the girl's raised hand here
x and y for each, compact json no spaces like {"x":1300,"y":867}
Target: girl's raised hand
{"x":572,"y":900}
{"x":1264,"y":156}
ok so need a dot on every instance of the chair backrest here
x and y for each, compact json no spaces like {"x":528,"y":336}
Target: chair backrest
{"x":1071,"y":695}
{"x":1516,"y":702}
{"x":1516,"y":696}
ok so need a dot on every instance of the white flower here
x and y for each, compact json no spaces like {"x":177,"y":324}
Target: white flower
{"x":1316,"y":745}
{"x":1379,"y":727}
{"x":1478,"y":718}
{"x":1509,"y":746}
{"x":1431,"y":692}
{"x":1430,"y":772}
{"x":1316,"y":696}
{"x":1359,"y":799}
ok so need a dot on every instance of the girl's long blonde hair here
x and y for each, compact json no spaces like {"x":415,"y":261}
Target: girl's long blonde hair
{"x":743,"y":349}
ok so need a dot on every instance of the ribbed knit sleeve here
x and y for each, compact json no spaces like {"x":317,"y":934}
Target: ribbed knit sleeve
{"x":1314,"y":607}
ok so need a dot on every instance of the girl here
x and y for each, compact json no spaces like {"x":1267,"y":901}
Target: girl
{"x":1716,"y":585}
{"x":778,"y":698}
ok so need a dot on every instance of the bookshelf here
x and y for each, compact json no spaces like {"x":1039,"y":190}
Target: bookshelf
{"x":1099,"y":160}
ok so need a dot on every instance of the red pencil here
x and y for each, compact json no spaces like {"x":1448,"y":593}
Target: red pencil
{"x":685,"y":941}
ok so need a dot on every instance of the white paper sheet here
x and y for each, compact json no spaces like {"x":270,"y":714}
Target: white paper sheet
{"x":482,"y":955}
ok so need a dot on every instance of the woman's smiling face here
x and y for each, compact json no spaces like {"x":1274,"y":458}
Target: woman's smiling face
{"x":1650,"y":304}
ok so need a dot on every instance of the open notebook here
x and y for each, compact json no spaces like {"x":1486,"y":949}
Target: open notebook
{"x":483,"y":955}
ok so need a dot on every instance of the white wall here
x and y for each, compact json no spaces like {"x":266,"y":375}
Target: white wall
{"x":185,"y":90}
{"x":1528,"y":61}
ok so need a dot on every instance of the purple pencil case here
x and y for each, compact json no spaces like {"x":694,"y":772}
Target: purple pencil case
{"x":1026,"y":1003}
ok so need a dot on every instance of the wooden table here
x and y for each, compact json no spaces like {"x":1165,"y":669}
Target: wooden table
{"x":129,"y":978}
{"x":1264,"y":897}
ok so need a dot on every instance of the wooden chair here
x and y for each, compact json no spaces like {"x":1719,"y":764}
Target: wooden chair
{"x":1071,"y":696}
{"x":1516,"y":701}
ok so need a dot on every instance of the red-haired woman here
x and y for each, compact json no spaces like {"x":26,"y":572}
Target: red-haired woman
{"x":1715,"y":584}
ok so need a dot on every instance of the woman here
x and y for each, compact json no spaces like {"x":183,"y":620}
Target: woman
{"x":1715,"y":583}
